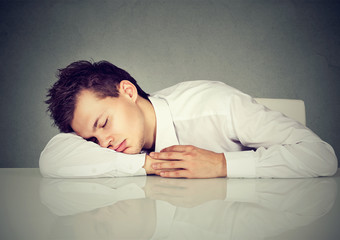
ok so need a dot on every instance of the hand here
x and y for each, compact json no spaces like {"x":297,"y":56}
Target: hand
{"x":189,"y":162}
{"x":147,"y":165}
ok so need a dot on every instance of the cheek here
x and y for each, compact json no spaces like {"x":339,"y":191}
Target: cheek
{"x":130,"y":120}
{"x":135,"y":121}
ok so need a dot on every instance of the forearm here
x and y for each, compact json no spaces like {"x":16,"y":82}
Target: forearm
{"x":284,"y":147}
{"x":304,"y":159}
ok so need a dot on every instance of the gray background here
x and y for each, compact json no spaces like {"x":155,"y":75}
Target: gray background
{"x":276,"y":49}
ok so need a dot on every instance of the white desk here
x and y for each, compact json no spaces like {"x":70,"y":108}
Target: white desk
{"x":36,"y":208}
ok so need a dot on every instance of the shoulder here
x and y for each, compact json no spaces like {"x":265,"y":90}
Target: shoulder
{"x":198,"y":97}
{"x":196,"y":88}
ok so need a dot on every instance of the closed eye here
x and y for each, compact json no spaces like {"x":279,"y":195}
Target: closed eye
{"x":92,"y":139}
{"x":105,"y":123}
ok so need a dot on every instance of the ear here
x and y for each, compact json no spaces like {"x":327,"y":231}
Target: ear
{"x":128,"y":89}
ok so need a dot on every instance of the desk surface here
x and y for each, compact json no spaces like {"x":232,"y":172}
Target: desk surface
{"x":150,"y":207}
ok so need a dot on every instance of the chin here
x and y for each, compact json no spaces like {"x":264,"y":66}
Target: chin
{"x":131,"y":151}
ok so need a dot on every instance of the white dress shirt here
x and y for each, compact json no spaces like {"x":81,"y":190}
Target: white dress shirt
{"x":256,"y":141}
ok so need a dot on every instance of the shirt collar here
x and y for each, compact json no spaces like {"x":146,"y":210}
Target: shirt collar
{"x":165,"y":130}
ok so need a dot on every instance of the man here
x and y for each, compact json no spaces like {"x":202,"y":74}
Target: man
{"x":197,"y":129}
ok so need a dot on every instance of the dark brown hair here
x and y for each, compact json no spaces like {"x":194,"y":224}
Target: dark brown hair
{"x":101,"y":77}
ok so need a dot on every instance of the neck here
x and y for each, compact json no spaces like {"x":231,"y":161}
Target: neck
{"x":149,"y":122}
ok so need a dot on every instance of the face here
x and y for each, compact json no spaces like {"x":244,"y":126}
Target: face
{"x":112,"y":122}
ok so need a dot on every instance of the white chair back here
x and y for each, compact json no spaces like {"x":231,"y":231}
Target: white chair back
{"x":292,"y":108}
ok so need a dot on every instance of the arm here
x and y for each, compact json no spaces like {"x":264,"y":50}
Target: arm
{"x":283,"y":148}
{"x":68,"y":155}
{"x":280,"y":148}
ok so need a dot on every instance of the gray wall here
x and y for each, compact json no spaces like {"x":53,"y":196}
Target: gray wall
{"x":278,"y":49}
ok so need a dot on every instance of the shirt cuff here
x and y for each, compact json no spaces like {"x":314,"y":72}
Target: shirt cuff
{"x":241,"y":164}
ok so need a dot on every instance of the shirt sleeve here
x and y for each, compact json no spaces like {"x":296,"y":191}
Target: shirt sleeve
{"x":68,"y":155}
{"x":279,"y":146}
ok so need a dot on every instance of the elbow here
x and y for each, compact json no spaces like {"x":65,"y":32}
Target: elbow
{"x":329,"y":161}
{"x":318,"y":159}
{"x":43,"y":165}
{"x":48,"y":163}
{"x":54,"y":152}
{"x":333,"y":166}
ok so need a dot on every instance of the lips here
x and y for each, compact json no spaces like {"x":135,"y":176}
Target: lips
{"x":121,"y":147}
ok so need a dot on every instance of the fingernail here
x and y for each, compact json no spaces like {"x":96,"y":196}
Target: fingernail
{"x":152,"y":154}
{"x":154,"y":166}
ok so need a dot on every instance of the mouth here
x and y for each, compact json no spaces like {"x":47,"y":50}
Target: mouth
{"x":121,"y":146}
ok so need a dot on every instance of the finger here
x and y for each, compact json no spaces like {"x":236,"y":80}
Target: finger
{"x":174,"y":174}
{"x":170,"y":165}
{"x":178,"y":148}
{"x":155,"y":172}
{"x":166,"y":155}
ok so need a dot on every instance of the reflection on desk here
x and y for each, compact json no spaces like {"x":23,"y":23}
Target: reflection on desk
{"x":34,"y":208}
{"x":155,"y":208}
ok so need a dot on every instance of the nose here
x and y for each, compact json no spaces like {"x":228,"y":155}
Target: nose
{"x":104,"y":141}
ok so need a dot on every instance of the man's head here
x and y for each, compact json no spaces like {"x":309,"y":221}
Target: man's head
{"x":99,"y":102}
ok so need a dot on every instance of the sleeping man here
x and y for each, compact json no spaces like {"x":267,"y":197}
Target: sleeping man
{"x":199,"y":129}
